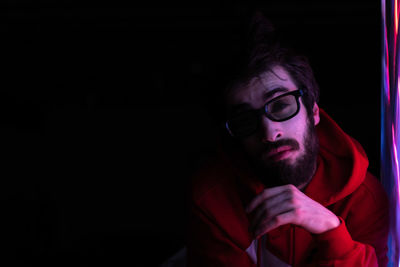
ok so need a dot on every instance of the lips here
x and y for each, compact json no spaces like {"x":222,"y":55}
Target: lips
{"x":279,"y":153}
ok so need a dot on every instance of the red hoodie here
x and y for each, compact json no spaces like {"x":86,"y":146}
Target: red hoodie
{"x":218,"y":224}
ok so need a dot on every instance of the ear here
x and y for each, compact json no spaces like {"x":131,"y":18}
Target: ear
{"x":316,"y":114}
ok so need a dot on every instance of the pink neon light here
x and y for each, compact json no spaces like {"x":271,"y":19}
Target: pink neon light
{"x":396,"y":20}
{"x":396,"y":161}
{"x":398,"y":99}
{"x":387,"y":60}
{"x":387,"y":75}
{"x":391,"y":112}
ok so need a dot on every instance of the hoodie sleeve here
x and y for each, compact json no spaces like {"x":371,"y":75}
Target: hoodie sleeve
{"x":208,"y":245}
{"x":361,"y":238}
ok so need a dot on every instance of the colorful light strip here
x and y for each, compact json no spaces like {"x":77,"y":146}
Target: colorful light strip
{"x":390,"y":141}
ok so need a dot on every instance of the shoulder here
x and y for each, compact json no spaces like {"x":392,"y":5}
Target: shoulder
{"x":367,"y":218}
{"x":372,"y":188}
{"x":368,"y":205}
{"x":365,"y":205}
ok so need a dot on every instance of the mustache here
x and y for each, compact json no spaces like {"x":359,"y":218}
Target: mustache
{"x":268,"y":146}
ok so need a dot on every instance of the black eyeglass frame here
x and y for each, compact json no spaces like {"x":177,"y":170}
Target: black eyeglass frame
{"x":264,"y":111}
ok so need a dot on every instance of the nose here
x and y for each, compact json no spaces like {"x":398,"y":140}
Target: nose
{"x":271,"y":131}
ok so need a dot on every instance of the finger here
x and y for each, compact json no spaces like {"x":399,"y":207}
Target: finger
{"x":259,"y":216}
{"x":270,"y":207}
{"x":283,"y":204}
{"x":268,"y":193}
{"x":274,"y":212}
{"x":274,"y":223}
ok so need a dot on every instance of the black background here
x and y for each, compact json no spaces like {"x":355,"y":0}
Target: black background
{"x":106,"y":108}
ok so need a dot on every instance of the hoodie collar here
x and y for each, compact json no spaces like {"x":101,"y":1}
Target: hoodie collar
{"x":342,"y":164}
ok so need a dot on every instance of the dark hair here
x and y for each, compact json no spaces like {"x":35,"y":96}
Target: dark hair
{"x":264,"y":58}
{"x":264,"y":52}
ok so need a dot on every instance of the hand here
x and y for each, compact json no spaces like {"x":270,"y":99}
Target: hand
{"x":286,"y":204}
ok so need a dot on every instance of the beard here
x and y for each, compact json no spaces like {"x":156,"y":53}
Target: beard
{"x":283,"y":172}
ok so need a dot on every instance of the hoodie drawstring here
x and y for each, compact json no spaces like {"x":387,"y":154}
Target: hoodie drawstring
{"x":292,"y":244}
{"x":258,"y":252}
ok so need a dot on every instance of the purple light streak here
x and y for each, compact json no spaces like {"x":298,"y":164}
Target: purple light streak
{"x":390,"y":100}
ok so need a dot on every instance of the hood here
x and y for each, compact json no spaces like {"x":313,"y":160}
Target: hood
{"x":341,"y":165}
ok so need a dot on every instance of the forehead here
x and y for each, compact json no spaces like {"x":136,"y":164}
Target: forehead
{"x":262,"y":88}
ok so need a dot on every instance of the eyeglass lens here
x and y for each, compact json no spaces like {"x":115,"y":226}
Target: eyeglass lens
{"x":278,"y":109}
{"x":282,"y":107}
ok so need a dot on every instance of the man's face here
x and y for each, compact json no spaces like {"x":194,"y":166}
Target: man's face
{"x":283,"y":152}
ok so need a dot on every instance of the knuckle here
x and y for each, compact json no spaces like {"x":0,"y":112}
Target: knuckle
{"x":297,"y":212}
{"x":293,"y":201}
{"x":292,"y":187}
{"x":291,"y":194}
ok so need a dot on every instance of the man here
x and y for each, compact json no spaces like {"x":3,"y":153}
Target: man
{"x":289,"y":188}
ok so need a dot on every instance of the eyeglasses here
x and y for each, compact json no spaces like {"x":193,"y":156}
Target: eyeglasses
{"x":281,"y":108}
